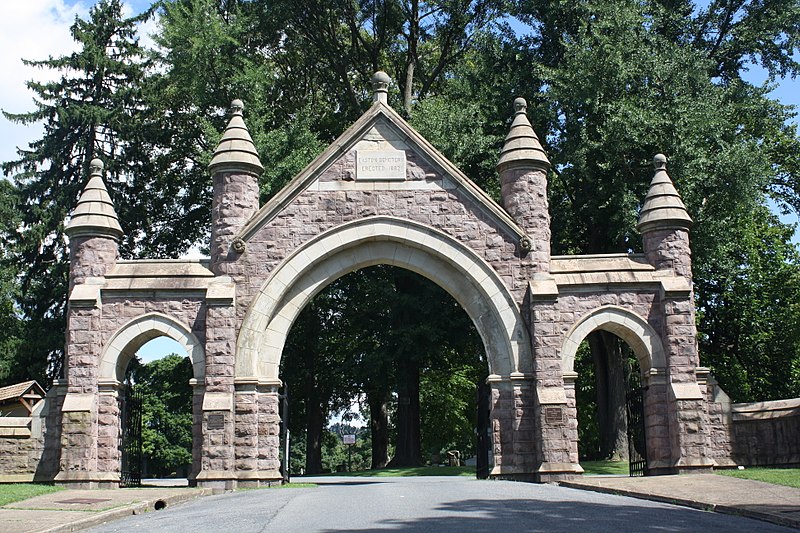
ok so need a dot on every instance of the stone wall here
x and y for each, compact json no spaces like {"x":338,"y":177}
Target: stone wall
{"x":753,"y":434}
{"x":27,"y":451}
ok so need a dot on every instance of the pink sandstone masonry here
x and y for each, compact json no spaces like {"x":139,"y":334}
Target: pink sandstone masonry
{"x":232,"y":312}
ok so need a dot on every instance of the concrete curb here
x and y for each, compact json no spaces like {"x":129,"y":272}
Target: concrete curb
{"x":694,"y":504}
{"x":96,"y":519}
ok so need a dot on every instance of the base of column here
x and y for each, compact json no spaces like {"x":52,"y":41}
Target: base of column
{"x":700,"y":465}
{"x":544,"y":473}
{"x":554,"y":472}
{"x":87,"y":480}
{"x":222,"y":480}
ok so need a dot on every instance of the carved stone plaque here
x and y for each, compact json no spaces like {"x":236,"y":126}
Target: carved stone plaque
{"x":554,"y":415}
{"x":216,"y":421}
{"x":380,"y":165}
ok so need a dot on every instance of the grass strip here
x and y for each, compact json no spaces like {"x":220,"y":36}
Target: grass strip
{"x":789,"y":477}
{"x":15,"y":492}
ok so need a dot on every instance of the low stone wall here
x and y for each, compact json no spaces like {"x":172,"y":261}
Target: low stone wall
{"x":753,"y":434}
{"x":27,"y":452}
{"x":766,"y":433}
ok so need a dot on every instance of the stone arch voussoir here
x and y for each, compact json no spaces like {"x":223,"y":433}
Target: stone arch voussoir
{"x":382,"y":240}
{"x":630,"y":327}
{"x":126,"y":340}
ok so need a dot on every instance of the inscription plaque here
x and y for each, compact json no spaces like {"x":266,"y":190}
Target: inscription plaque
{"x":380,"y":165}
{"x":554,"y":415}
{"x":216,"y":421}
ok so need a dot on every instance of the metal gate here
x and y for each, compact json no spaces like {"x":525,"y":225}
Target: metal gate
{"x":131,"y":437}
{"x":484,"y":394}
{"x":637,"y":442}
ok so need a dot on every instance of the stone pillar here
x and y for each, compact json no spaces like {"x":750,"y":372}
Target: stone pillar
{"x":198,"y":393}
{"x":94,"y":233}
{"x":556,"y":420}
{"x":523,"y":168}
{"x":664,"y":225}
{"x":269,"y":453}
{"x":512,"y":422}
{"x":235,"y":169}
{"x":217,"y":461}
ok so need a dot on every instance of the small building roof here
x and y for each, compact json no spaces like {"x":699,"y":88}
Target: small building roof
{"x":522,"y":144}
{"x":663,"y":207}
{"x":94,"y":214}
{"x":21,"y":390}
{"x":236,"y":150}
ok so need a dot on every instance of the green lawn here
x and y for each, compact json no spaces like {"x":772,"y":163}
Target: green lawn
{"x":789,"y":477}
{"x":467,"y":471}
{"x":596,"y":468}
{"x":14,"y":492}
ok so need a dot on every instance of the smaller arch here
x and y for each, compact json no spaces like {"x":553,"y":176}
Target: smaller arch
{"x":627,"y":325}
{"x":130,"y":337}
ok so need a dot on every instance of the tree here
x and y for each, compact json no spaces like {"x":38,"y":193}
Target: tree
{"x":91,"y":111}
{"x":166,"y":413}
{"x":752,"y":338}
{"x":14,"y":366}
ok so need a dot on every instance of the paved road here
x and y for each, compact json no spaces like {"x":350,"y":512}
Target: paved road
{"x":429,"y":504}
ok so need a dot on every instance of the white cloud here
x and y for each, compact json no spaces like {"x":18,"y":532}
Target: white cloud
{"x":36,"y":29}
{"x":31,"y":29}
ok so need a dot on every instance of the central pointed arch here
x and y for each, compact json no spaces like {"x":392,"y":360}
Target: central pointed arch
{"x":382,"y":240}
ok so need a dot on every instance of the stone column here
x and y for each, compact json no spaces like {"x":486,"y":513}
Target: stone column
{"x":94,"y":233}
{"x":269,"y":453}
{"x":664,"y":225}
{"x":235,"y":169}
{"x":218,"y":466}
{"x":556,"y":421}
{"x":512,"y":422}
{"x":523,"y":168}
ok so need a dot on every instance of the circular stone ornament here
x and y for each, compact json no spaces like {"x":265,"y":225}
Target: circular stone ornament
{"x":238,"y":245}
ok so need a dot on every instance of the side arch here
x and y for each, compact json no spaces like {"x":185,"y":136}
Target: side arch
{"x":627,"y":325}
{"x":471,"y":281}
{"x":130,"y":337}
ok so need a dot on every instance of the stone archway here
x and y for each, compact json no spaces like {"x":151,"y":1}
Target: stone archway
{"x":383,"y":240}
{"x":130,"y":337}
{"x":625,"y":324}
{"x":114,"y":360}
{"x":649,"y":351}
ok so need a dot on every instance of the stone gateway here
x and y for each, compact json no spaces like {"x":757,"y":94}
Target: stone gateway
{"x":380,"y":194}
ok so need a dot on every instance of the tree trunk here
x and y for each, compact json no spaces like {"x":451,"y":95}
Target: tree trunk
{"x":379,"y":427}
{"x":315,"y":420}
{"x":408,"y":447}
{"x":608,"y":356}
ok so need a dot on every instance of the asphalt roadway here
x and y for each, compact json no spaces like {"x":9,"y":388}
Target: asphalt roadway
{"x":446,"y":504}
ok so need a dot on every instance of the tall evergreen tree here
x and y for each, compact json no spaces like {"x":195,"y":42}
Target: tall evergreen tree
{"x":92,"y":110}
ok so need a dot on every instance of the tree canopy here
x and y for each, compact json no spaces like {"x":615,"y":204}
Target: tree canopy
{"x":609,"y":84}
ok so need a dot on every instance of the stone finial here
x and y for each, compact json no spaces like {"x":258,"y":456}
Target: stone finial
{"x":94,"y":216}
{"x":236,"y":150}
{"x":380,"y":87}
{"x":663,"y":207}
{"x":522,"y":145}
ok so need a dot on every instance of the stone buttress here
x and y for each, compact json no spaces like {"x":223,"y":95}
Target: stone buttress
{"x":244,"y":450}
{"x":89,"y":455}
{"x":664,"y":225}
{"x":523,"y":168}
